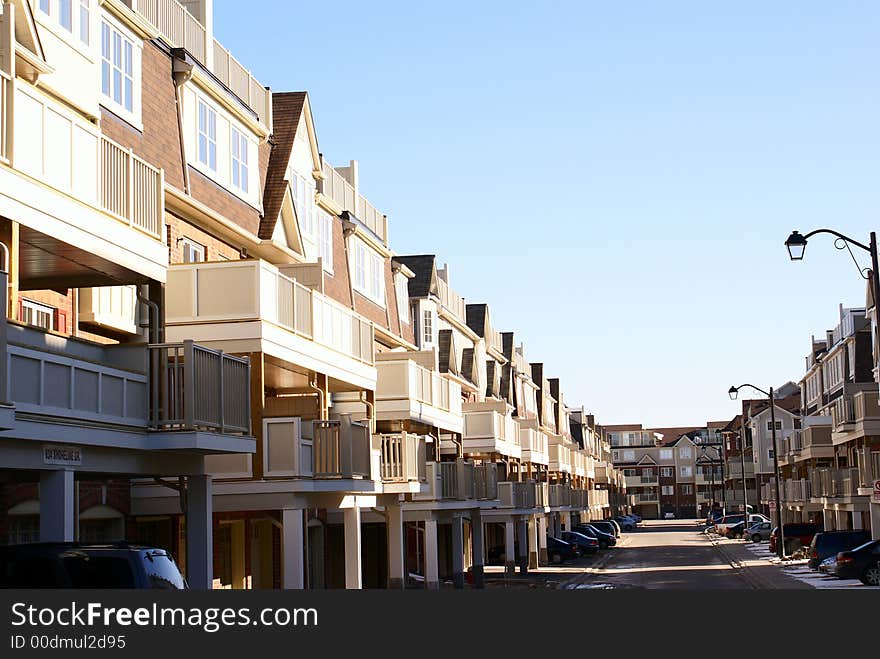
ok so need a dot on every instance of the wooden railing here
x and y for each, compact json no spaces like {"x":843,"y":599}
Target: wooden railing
{"x":486,"y":481}
{"x":842,"y":412}
{"x":457,"y":479}
{"x":130,"y":188}
{"x":242,"y":83}
{"x":372,"y":218}
{"x":402,"y":457}
{"x":341,"y":452}
{"x":198,"y":388}
{"x":451,"y":300}
{"x":868,"y":466}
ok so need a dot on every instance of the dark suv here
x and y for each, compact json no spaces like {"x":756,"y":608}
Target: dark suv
{"x":829,"y":543}
{"x":796,"y":535}
{"x":81,"y":565}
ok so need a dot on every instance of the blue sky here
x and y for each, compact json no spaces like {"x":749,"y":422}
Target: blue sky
{"x":615,"y":179}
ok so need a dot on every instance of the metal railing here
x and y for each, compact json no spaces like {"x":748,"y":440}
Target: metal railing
{"x":560,"y":494}
{"x":194,"y":388}
{"x":457,"y":479}
{"x":868,"y":466}
{"x":486,"y":481}
{"x":797,"y":490}
{"x":341,"y":449}
{"x":842,"y":412}
{"x":833,"y":482}
{"x":402,"y":457}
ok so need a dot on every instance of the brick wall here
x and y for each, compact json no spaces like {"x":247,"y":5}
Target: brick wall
{"x":215,"y":248}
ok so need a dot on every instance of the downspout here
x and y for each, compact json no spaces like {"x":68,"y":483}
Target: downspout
{"x":181,"y":72}
{"x":180,"y":488}
{"x":322,"y":411}
{"x":370,"y":410}
{"x":156,"y":332}
{"x":345,"y":234}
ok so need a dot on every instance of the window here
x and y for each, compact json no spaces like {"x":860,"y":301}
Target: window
{"x":687,"y":489}
{"x":778,"y":425}
{"x":666,"y":454}
{"x":686,"y":472}
{"x":193,"y":252}
{"x":667,"y":472}
{"x":303,"y":192}
{"x":36,"y":314}
{"x":207,"y":136}
{"x":239,"y":159}
{"x":23,"y":529}
{"x":770,"y":453}
{"x":684,"y":452}
{"x":360,"y":266}
{"x":428,"y":327}
{"x":325,"y":239}
{"x":369,"y":272}
{"x":65,"y":14}
{"x":117,"y":67}
{"x":629,"y":455}
{"x":84,"y":21}
{"x":376,"y":263}
{"x":401,"y":286}
{"x":667,"y":490}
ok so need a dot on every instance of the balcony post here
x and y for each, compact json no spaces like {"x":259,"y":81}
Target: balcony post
{"x":199,"y":533}
{"x":432,"y":571}
{"x":509,"y":549}
{"x":477,"y":548}
{"x":396,"y":557}
{"x":875,"y":520}
{"x":292,"y":549}
{"x":523,"y":540}
{"x":57,"y":512}
{"x":352,"y":521}
{"x":4,"y":278}
{"x":221,"y":385}
{"x":458,"y":551}
{"x":533,"y":542}
{"x":189,"y":384}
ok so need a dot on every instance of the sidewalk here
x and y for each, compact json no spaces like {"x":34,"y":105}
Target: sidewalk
{"x":764,"y":570}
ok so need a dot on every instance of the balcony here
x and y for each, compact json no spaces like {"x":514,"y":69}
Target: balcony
{"x":250,"y":306}
{"x":797,"y":490}
{"x":834,"y":483}
{"x":647,"y":497}
{"x":533,"y":442}
{"x":814,"y":441}
{"x":402,"y":458}
{"x":342,"y":194}
{"x":560,"y":495}
{"x":869,"y":469}
{"x":72,"y":185}
{"x":460,"y":480}
{"x":842,"y":414}
{"x":518,"y":494}
{"x":109,"y":307}
{"x":457,"y":478}
{"x":451,"y":301}
{"x":92,"y":391}
{"x":602,"y":474}
{"x":559,"y":455}
{"x":182,"y":30}
{"x":489,"y":428}
{"x":341,"y":453}
{"x":407,"y":390}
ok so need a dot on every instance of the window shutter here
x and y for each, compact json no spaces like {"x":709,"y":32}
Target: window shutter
{"x":60,"y":321}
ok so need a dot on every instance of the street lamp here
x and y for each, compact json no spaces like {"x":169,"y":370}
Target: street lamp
{"x":733,"y":392}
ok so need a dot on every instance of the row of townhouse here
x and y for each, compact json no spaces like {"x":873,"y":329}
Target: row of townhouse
{"x":827,"y":434}
{"x":209,"y":344}
{"x":669,"y":471}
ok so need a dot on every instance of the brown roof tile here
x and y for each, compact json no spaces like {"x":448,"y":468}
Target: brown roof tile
{"x":287,"y":108}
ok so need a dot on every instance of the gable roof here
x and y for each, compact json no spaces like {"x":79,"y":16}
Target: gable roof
{"x":424,"y":267}
{"x":287,"y":110}
{"x":446,"y":352}
{"x":467,"y":365}
{"x":672,"y":435}
{"x":476,"y":318}
{"x":646,"y":459}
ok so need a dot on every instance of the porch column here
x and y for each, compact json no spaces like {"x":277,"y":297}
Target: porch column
{"x":56,"y":506}
{"x":509,"y":549}
{"x":875,"y":521}
{"x":827,"y":520}
{"x":458,"y":551}
{"x":542,"y":539}
{"x":523,"y":541}
{"x":533,"y":542}
{"x":396,"y":561}
{"x":432,"y":570}
{"x":292,"y":550}
{"x":477,"y":547}
{"x":199,"y":534}
{"x":351,"y":518}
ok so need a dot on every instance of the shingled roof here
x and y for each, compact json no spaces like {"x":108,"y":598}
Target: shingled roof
{"x":423,"y":265}
{"x":287,"y":108}
{"x":476,"y":318}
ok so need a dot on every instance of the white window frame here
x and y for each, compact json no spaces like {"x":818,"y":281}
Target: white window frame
{"x":32,"y":309}
{"x":684,"y":452}
{"x":324,"y":236}
{"x":401,"y":290}
{"x":667,"y":472}
{"x":208,"y":132}
{"x":369,"y":271}
{"x":428,"y":327}
{"x":667,"y":490}
{"x":238,"y":160}
{"x":667,"y":454}
{"x":79,"y":13}
{"x":770,"y":425}
{"x":685,"y":471}
{"x":194,"y":248}
{"x":129,"y":44}
{"x":687,"y":489}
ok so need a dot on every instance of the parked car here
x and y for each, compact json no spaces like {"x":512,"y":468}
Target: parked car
{"x":607,"y":526}
{"x":587,"y":544}
{"x":83,"y":565}
{"x":559,"y":550}
{"x":736,"y":531}
{"x":828,"y":565}
{"x":626,"y":523}
{"x":605,"y":539}
{"x":797,"y":535}
{"x":759,"y":532}
{"x":830,"y":543}
{"x":728,"y":520}
{"x":862,"y":563}
{"x":636,"y":517}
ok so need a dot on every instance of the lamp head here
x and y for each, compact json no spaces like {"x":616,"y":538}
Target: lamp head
{"x":796,"y":245}
{"x":733,"y":392}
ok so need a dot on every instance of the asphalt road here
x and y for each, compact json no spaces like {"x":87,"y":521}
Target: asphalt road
{"x":665,"y":554}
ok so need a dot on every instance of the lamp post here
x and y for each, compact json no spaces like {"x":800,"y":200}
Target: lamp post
{"x":734,"y":392}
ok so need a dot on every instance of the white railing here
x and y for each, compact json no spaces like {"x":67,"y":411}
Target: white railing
{"x":130,"y":188}
{"x":203,"y":292}
{"x":457,"y":479}
{"x":335,"y":187}
{"x":341,"y":452}
{"x":433,"y":389}
{"x":242,"y":83}
{"x":5,"y":89}
{"x":109,"y":306}
{"x":496,"y":341}
{"x":402,"y":457}
{"x":372,"y":218}
{"x":451,"y":300}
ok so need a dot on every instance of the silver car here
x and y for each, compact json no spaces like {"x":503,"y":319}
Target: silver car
{"x":758,"y":532}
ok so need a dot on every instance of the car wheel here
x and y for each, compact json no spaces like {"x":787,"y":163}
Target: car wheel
{"x":756,"y":538}
{"x":871,"y":577}
{"x":556,"y":558}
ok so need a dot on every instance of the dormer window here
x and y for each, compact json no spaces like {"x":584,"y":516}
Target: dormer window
{"x":120,"y":71}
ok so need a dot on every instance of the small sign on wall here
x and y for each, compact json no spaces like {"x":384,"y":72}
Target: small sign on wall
{"x":66,"y":456}
{"x":875,"y":494}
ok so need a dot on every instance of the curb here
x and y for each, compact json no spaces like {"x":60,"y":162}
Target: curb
{"x":742,"y":571}
{"x":595,"y":567}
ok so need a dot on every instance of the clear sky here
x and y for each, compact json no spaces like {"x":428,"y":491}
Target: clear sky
{"x":615,"y":179}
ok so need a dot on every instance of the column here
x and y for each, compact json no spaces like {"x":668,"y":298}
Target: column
{"x":509,"y":549}
{"x":292,"y":550}
{"x":351,"y":518}
{"x":542,"y":539}
{"x":875,"y":521}
{"x":432,"y":570}
{"x":827,"y":520}
{"x":857,"y":520}
{"x":199,"y":533}
{"x":458,"y":551}
{"x":533,"y":542}
{"x":523,"y":544}
{"x":56,"y":506}
{"x":477,"y":547}
{"x":396,"y":559}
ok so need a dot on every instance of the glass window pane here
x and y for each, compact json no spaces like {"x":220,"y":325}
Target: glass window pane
{"x":65,"y":14}
{"x":129,"y":91}
{"x":105,"y":78}
{"x":84,"y":21}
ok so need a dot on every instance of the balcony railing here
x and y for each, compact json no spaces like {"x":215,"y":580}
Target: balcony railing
{"x":868,"y":466}
{"x":341,"y":450}
{"x":834,"y":482}
{"x":433,"y":389}
{"x":402,"y":457}
{"x":560,"y":494}
{"x":335,"y":187}
{"x":517,"y":494}
{"x":451,"y":300}
{"x":5,"y":92}
{"x":198,"y":388}
{"x":647,"y":497}
{"x":375,"y":221}
{"x":113,"y":307}
{"x":486,"y":481}
{"x":797,"y":490}
{"x":867,"y":405}
{"x":842,"y":412}
{"x":542,"y":495}
{"x":181,"y":29}
{"x":245,"y":290}
{"x":457,"y":479}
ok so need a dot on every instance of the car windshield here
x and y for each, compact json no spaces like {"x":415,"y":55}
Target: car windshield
{"x":162,"y":572}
